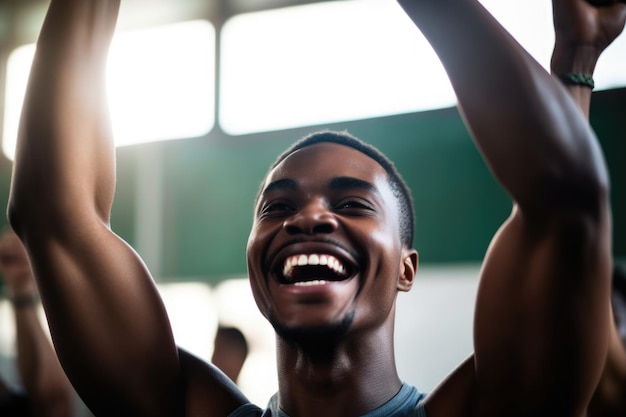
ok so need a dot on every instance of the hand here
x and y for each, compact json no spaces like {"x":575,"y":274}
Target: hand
{"x":15,"y":266}
{"x":588,"y":23}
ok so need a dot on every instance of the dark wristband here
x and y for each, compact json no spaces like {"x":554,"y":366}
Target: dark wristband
{"x":573,"y":78}
{"x":24,"y":301}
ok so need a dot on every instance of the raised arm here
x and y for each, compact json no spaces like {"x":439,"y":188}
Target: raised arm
{"x":107,"y":321}
{"x":542,"y":308}
{"x":47,"y":388}
{"x":583,"y":31}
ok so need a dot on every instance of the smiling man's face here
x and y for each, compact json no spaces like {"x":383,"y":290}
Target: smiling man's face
{"x":325,"y":253}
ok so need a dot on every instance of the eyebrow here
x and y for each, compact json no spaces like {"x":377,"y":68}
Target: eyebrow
{"x":284,"y":184}
{"x":345,"y":183}
{"x":339,"y":183}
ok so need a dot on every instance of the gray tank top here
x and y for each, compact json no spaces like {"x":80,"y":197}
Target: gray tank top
{"x":408,"y":402}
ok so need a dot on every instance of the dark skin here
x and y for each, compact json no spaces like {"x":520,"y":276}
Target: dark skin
{"x":358,"y":226}
{"x":583,"y":31}
{"x":541,"y":324}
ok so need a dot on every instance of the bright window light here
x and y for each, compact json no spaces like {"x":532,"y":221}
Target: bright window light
{"x":161,"y":84}
{"x":191,"y":310}
{"x":530,"y":22}
{"x":323,"y":63}
{"x":18,"y":68}
{"x":356,"y":59}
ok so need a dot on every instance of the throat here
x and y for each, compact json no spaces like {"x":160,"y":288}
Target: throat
{"x":343,"y":388}
{"x":319,"y":343}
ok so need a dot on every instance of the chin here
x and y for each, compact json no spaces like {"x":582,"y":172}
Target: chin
{"x":316,"y":338}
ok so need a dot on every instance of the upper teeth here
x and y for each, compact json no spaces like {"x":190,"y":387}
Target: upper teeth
{"x":312,"y":259}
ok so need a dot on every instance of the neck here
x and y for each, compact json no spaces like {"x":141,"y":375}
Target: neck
{"x":343,"y":378}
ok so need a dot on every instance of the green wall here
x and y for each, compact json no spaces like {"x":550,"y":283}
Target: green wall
{"x":210,"y":189}
{"x":210,"y":184}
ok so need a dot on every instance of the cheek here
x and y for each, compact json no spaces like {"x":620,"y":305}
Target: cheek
{"x":388,"y":251}
{"x":385,"y":260}
{"x":257,"y":241}
{"x":257,"y":245}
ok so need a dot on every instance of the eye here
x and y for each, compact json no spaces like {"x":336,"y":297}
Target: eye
{"x":354,"y":206}
{"x":276,"y":208}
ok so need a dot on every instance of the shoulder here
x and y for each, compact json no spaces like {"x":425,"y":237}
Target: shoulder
{"x":207,"y":390}
{"x":453,"y":396}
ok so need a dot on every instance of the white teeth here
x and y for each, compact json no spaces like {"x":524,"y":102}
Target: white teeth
{"x":312,"y":259}
{"x":310,"y":283}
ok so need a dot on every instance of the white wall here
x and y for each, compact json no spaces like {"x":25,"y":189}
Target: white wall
{"x":434,"y":324}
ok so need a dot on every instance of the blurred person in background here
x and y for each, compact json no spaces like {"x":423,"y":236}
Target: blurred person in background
{"x":45,"y":390}
{"x":230,"y":351}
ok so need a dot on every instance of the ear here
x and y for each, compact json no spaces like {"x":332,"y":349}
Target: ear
{"x":408,"y":269}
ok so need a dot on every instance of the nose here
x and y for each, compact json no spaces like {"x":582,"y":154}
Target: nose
{"x":313,"y":218}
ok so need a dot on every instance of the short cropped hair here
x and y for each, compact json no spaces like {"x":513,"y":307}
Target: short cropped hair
{"x":398,"y":186}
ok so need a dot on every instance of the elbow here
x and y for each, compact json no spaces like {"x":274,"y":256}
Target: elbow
{"x":22,"y":202}
{"x":35,"y":210}
{"x":573,"y":192}
{"x":13,"y":217}
{"x":19,"y":215}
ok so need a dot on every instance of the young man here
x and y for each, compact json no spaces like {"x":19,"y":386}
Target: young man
{"x":330,"y":246}
{"x":46,"y":390}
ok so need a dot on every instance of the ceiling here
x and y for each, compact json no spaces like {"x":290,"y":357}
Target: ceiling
{"x":20,"y":20}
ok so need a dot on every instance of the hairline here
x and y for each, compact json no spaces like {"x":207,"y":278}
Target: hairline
{"x":399,"y":188}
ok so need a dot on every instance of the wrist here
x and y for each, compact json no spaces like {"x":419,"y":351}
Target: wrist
{"x":577,"y":79}
{"x":25,"y":300}
{"x":573,"y":60}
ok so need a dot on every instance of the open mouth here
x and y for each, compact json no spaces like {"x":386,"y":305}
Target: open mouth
{"x":313,"y":269}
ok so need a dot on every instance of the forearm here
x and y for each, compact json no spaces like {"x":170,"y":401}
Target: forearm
{"x":583,"y":30}
{"x":65,"y":128}
{"x":527,"y":127}
{"x":573,"y":59}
